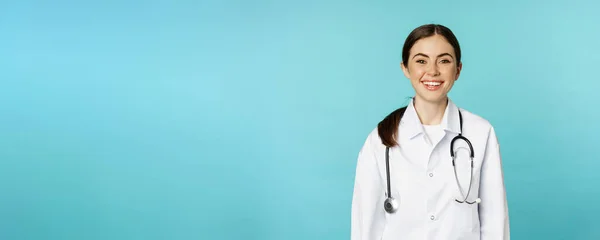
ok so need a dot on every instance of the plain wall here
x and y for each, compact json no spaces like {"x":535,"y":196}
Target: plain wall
{"x":243,"y":119}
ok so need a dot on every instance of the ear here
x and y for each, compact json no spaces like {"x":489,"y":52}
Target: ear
{"x":458,"y":69}
{"x":405,"y":70}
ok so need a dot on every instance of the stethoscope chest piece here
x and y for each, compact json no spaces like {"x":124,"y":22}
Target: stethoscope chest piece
{"x":390,"y":205}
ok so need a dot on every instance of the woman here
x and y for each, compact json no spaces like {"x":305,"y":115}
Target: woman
{"x":433,"y":195}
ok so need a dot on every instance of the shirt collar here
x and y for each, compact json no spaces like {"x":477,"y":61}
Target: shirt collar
{"x":412,"y":126}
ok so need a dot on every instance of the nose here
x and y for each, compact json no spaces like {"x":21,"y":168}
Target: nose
{"x":433,"y":70}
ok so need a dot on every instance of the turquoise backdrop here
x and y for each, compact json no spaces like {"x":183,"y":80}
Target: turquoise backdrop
{"x":243,"y":119}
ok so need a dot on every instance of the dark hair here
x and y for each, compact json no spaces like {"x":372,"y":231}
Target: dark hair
{"x":425,"y":31}
{"x":388,"y":127}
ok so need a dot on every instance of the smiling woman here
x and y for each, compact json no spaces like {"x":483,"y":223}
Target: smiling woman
{"x":405,"y":186}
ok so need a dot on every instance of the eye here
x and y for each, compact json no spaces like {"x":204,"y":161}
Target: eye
{"x":445,"y":61}
{"x":421,"y":61}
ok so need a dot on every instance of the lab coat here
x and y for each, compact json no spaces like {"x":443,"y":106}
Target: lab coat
{"x":424,"y":184}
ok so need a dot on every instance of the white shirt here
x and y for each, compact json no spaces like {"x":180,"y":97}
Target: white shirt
{"x":433,"y":133}
{"x":423,"y":182}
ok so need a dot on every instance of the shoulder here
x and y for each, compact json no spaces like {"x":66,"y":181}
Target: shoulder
{"x":372,"y":144}
{"x":373,"y":139}
{"x":475,"y":120}
{"x":475,"y":124}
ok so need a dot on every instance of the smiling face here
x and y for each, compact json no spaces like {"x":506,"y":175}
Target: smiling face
{"x":432,"y":68}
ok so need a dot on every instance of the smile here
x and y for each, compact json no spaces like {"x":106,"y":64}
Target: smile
{"x":432,"y":85}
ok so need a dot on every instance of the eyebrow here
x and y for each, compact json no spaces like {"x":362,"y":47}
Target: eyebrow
{"x":424,"y":55}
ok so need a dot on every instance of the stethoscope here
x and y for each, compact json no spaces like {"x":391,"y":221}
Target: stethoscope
{"x":391,"y":205}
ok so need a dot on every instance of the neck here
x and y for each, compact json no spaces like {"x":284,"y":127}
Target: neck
{"x":430,"y":113}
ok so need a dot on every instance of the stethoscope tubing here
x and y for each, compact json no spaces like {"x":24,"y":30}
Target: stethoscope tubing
{"x":391,"y":205}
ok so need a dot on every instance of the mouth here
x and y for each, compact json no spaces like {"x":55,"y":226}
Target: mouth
{"x":432,"y":85}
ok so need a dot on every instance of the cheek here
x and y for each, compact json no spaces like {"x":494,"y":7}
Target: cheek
{"x":416,"y":73}
{"x":450,"y":71}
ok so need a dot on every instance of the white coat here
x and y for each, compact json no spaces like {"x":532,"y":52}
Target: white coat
{"x":424,"y":184}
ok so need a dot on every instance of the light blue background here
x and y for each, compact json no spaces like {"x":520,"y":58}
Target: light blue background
{"x":243,"y":119}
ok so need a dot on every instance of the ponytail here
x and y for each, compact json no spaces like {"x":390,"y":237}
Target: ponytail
{"x":388,"y":127}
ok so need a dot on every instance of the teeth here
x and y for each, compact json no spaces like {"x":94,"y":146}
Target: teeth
{"x":432,"y":83}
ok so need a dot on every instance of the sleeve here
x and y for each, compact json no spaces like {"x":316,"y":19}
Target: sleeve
{"x":368,"y":215}
{"x":493,"y":209}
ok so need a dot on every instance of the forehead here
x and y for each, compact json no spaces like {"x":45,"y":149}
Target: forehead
{"x":432,"y":46}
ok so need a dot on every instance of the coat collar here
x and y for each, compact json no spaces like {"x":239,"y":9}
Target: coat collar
{"x":412,"y":126}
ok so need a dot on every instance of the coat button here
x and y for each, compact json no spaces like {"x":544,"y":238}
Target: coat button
{"x":432,"y":217}
{"x":430,"y":174}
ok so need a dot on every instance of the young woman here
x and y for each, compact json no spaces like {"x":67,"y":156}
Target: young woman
{"x":430,"y":170}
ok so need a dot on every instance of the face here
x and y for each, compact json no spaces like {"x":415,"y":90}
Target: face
{"x":432,"y":68}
